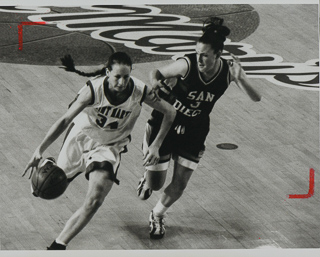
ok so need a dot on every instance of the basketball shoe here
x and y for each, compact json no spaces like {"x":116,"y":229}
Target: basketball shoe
{"x":142,"y":191}
{"x":157,"y":229}
{"x":56,"y":246}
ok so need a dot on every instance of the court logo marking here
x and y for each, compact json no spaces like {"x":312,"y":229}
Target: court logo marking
{"x":147,"y":29}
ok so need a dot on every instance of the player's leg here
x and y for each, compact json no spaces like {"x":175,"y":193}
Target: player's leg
{"x":100,"y":184}
{"x":180,"y":179}
{"x":100,"y":164}
{"x":155,"y":175}
{"x":71,"y":158}
{"x":187,"y":154}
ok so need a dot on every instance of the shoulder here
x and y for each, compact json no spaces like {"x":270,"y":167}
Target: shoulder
{"x":137,"y":82}
{"x":96,"y":81}
{"x":188,"y":58}
{"x":185,"y":64}
{"x":189,"y":63}
{"x":140,"y":89}
{"x":138,"y":85}
{"x":95,"y":88}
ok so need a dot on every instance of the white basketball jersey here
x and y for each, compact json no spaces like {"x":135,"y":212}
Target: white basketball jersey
{"x":107,"y":123}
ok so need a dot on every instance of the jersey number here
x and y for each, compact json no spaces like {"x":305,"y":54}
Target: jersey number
{"x":195,"y":105}
{"x":103,"y":120}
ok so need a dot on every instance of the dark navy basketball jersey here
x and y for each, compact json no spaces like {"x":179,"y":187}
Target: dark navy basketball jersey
{"x":193,"y":97}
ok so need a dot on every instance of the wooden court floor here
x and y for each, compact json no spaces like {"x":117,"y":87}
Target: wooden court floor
{"x":237,"y":199}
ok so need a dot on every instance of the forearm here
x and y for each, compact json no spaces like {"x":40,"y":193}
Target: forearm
{"x":54,"y":132}
{"x":164,"y":128}
{"x":244,"y":84}
{"x":155,"y":75}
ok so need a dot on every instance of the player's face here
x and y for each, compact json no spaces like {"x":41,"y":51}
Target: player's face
{"x":119,"y":77}
{"x":206,"y":58}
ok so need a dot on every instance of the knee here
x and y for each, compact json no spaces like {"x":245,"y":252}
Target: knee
{"x":96,"y":195}
{"x":156,"y":184}
{"x":92,"y":204}
{"x":156,"y":187}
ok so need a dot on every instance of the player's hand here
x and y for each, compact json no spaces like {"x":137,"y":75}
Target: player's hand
{"x":235,"y":67}
{"x":151,"y":157}
{"x":33,"y":163}
{"x":156,"y":87}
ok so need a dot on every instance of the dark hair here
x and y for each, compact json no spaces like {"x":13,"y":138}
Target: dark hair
{"x":117,"y":57}
{"x":214,"y":33}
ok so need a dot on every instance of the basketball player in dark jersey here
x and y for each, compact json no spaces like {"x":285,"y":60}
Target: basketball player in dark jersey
{"x":192,"y":84}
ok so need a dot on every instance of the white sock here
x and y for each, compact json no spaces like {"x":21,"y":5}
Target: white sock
{"x":60,"y":242}
{"x":159,"y":210}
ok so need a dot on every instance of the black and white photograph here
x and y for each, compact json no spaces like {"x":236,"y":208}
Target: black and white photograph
{"x":154,"y":128}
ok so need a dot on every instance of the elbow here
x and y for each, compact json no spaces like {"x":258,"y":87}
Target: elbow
{"x":155,"y":74}
{"x":171,"y":114}
{"x":63,"y":123}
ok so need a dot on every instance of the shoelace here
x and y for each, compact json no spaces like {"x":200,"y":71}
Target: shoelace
{"x":158,"y":222}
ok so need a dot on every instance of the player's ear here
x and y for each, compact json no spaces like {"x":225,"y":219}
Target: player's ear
{"x":218,"y":53}
{"x":107,"y":72}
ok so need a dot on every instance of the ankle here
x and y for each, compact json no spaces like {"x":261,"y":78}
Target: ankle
{"x":159,"y":210}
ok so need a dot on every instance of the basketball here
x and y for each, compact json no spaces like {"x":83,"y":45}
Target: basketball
{"x":49,"y":181}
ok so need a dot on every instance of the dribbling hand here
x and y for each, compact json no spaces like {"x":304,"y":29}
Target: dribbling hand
{"x":33,"y":164}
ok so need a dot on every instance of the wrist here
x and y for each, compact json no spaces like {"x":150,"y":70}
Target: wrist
{"x":155,"y":144}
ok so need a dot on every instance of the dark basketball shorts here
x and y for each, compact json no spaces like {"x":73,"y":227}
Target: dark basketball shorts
{"x":184,"y":144}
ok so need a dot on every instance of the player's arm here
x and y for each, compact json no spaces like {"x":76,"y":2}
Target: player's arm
{"x":169,"y":113}
{"x":59,"y":127}
{"x":240,"y":78}
{"x":173,"y":70}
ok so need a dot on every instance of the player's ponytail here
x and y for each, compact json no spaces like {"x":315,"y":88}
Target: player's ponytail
{"x":214,"y":33}
{"x":68,"y":64}
{"x":117,"y":57}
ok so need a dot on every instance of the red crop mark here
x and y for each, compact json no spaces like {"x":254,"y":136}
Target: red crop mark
{"x":311,"y":188}
{"x":20,"y":30}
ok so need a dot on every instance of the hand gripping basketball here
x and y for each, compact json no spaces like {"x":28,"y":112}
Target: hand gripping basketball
{"x":33,"y":163}
{"x":49,"y":181}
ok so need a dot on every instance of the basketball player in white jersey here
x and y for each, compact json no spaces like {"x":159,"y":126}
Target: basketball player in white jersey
{"x":101,"y":119}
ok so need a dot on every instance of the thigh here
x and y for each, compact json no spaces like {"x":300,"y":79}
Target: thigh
{"x":70,"y":158}
{"x":181,"y":176}
{"x":151,"y":131}
{"x":190,"y":146}
{"x":156,"y":179}
{"x":106,"y":157}
{"x":99,"y":186}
